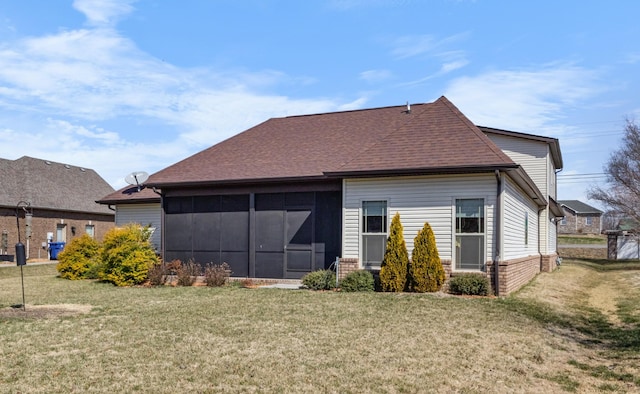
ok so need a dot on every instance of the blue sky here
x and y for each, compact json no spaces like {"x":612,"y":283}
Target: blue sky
{"x":121,"y":85}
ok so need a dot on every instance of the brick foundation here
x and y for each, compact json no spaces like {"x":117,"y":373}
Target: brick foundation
{"x":346,"y":266}
{"x":548,"y":263}
{"x":513,"y":273}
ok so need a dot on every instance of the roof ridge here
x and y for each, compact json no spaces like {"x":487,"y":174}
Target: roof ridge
{"x":352,"y":110}
{"x":475,"y":129}
{"x":409,"y":119}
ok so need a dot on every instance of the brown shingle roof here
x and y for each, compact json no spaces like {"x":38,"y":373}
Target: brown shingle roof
{"x":431,"y":137}
{"x":131,"y":194}
{"x":49,"y":185}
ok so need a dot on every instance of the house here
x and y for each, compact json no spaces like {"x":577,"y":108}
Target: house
{"x":141,"y":205}
{"x":579,"y":218}
{"x":295,"y":194}
{"x":55,"y":200}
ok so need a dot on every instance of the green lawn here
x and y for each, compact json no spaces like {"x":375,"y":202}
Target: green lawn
{"x":582,"y":239}
{"x":553,"y":336}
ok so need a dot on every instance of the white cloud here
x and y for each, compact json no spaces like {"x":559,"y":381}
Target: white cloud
{"x":523,"y":100}
{"x":59,"y":90}
{"x":103,"y":12}
{"x":375,"y":76}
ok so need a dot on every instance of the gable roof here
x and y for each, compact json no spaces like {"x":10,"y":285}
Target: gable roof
{"x":554,"y":144}
{"x":579,"y":207}
{"x":49,"y":185}
{"x":430,"y":138}
{"x":131,"y":195}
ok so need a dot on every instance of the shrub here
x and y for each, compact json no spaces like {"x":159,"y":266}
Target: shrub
{"x":216,"y":275}
{"x":126,"y":256}
{"x":360,"y":280}
{"x":425,"y":269}
{"x":393,"y":271}
{"x":469,"y":284}
{"x":157,"y":275}
{"x":188,"y":273}
{"x":78,"y":257}
{"x":320,"y":280}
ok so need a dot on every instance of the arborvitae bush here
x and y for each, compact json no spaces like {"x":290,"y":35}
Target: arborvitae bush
{"x":320,"y":280}
{"x":393,"y":272}
{"x":216,"y":275}
{"x":470,"y":284}
{"x":360,"y":280}
{"x":425,"y":269}
{"x":78,"y":257}
{"x":188,"y":273}
{"x":126,"y":256}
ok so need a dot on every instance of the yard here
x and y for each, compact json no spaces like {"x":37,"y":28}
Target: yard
{"x":574,"y":330}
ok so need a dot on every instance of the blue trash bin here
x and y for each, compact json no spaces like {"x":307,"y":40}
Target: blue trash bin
{"x":54,"y":249}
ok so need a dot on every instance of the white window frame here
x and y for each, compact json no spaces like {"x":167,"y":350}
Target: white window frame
{"x":90,"y":229}
{"x":483,"y":240}
{"x":363,"y":233}
{"x":588,"y":220}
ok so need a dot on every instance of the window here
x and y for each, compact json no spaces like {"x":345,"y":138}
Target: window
{"x":90,"y":229}
{"x":470,"y":234}
{"x":374,"y":232}
{"x":563,"y":221}
{"x":61,"y":233}
{"x":588,"y":220}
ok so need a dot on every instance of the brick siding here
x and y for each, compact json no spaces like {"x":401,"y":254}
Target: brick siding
{"x":44,"y":222}
{"x":577,"y":224}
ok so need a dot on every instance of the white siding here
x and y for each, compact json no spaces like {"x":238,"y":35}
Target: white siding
{"x":418,"y":200}
{"x":552,"y":245}
{"x":515,"y":208}
{"x":143,"y":214}
{"x":533,"y":156}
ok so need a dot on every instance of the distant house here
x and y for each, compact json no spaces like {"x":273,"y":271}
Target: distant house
{"x":137,"y":205}
{"x":295,"y":194}
{"x":60,"y":199}
{"x":579,"y":218}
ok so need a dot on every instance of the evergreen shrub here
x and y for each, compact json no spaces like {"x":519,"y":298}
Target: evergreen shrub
{"x":126,"y":255}
{"x":470,"y":284}
{"x":320,"y":280}
{"x":360,"y":280}
{"x":78,"y":257}
{"x":393,"y":271}
{"x":426,"y":273}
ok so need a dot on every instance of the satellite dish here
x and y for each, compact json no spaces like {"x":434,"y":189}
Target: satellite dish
{"x":137,"y":178}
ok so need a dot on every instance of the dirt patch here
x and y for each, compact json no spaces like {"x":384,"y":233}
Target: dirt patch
{"x":44,"y":311}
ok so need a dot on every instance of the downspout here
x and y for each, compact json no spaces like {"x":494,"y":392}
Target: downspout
{"x":497,"y":234}
{"x":540,"y":236}
{"x":162,"y":230}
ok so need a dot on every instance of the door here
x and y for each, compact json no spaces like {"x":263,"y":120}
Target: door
{"x":298,"y":242}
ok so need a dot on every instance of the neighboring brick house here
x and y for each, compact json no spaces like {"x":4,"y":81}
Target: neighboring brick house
{"x":61,"y":199}
{"x":580,"y":218}
{"x":291,"y":195}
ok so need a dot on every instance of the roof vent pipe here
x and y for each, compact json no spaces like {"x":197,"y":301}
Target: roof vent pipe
{"x":408,"y":108}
